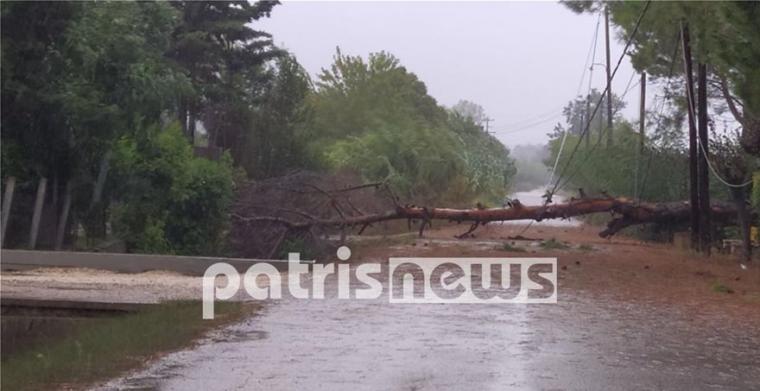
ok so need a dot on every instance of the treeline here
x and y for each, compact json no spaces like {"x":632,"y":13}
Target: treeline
{"x":655,"y":171}
{"x":655,"y":167}
{"x":148,"y":113}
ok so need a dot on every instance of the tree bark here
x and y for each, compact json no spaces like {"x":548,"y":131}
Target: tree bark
{"x":743,"y":220}
{"x":628,"y":213}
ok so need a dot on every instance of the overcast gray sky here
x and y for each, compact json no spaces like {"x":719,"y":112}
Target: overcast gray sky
{"x":522,"y":61}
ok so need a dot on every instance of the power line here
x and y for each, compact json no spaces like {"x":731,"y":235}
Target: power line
{"x":552,"y":113}
{"x":704,"y":150}
{"x":529,"y":122}
{"x":588,"y":92}
{"x":591,"y":56}
{"x":601,"y":97}
{"x":564,"y":135}
{"x":529,"y":126}
{"x":628,"y":86}
{"x":676,"y":47}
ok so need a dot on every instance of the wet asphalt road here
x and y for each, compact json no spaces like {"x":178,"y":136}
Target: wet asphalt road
{"x":580,"y":343}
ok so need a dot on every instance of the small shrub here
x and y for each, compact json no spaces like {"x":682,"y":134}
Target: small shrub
{"x":554,"y":244}
{"x":510,"y":247}
{"x":296,"y":245}
{"x":721,"y":288}
{"x":586,"y":247}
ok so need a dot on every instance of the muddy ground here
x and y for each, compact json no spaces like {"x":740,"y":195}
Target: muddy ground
{"x":630,"y":315}
{"x":620,"y":268}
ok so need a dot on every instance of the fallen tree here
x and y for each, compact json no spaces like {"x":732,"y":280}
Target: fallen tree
{"x":628,"y":213}
{"x":336,"y":209}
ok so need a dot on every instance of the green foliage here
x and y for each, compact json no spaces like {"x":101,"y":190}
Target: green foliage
{"x":586,"y":247}
{"x":80,"y":78}
{"x":719,"y":287}
{"x":376,"y":118}
{"x":76,"y":77}
{"x":554,"y":244}
{"x":662,"y":171}
{"x":724,"y":35}
{"x":172,"y":201}
{"x":576,"y":113}
{"x":275,"y":142}
{"x":223,"y":54}
{"x":79,"y":75}
{"x":299,"y":245}
{"x":511,"y":248}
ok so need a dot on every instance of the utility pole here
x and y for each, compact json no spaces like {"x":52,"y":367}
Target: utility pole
{"x":487,"y":120}
{"x":642,"y":129}
{"x":693,"y":177}
{"x":702,"y":169}
{"x":609,"y":74}
{"x":642,"y":111}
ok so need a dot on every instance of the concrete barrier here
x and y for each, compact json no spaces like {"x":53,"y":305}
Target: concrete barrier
{"x":125,"y":263}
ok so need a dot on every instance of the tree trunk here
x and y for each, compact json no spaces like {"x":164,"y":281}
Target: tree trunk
{"x":739,"y":195}
{"x":628,"y":211}
{"x":750,"y":137}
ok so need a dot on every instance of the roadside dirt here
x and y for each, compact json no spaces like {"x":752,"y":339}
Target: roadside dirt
{"x":620,"y":268}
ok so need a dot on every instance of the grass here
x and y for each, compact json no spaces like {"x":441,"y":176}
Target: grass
{"x":554,"y":244}
{"x":108,"y":347}
{"x":721,"y":288}
{"x":510,"y":247}
{"x":586,"y":247}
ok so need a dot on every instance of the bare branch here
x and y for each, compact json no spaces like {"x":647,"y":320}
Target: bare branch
{"x":731,"y":101}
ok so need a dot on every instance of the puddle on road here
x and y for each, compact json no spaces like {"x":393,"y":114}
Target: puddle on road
{"x":582,"y":342}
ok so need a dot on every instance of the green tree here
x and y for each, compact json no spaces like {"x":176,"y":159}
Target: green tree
{"x":471,"y":110}
{"x":225,"y":58}
{"x":170,"y":201}
{"x":661,"y":171}
{"x":275,"y":142}
{"x":76,"y":77}
{"x":578,"y":111}
{"x":377,"y":118}
{"x":724,"y":36}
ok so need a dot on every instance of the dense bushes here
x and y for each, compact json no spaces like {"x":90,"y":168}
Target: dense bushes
{"x":171,"y":201}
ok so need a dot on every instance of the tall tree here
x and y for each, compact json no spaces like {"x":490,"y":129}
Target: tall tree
{"x":225,"y":58}
{"x":76,"y":76}
{"x":724,"y":36}
{"x":471,"y":110}
{"x":376,"y":117}
{"x":576,"y":116}
{"x":275,"y":142}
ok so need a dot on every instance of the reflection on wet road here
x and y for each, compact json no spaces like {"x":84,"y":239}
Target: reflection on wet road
{"x":580,"y":343}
